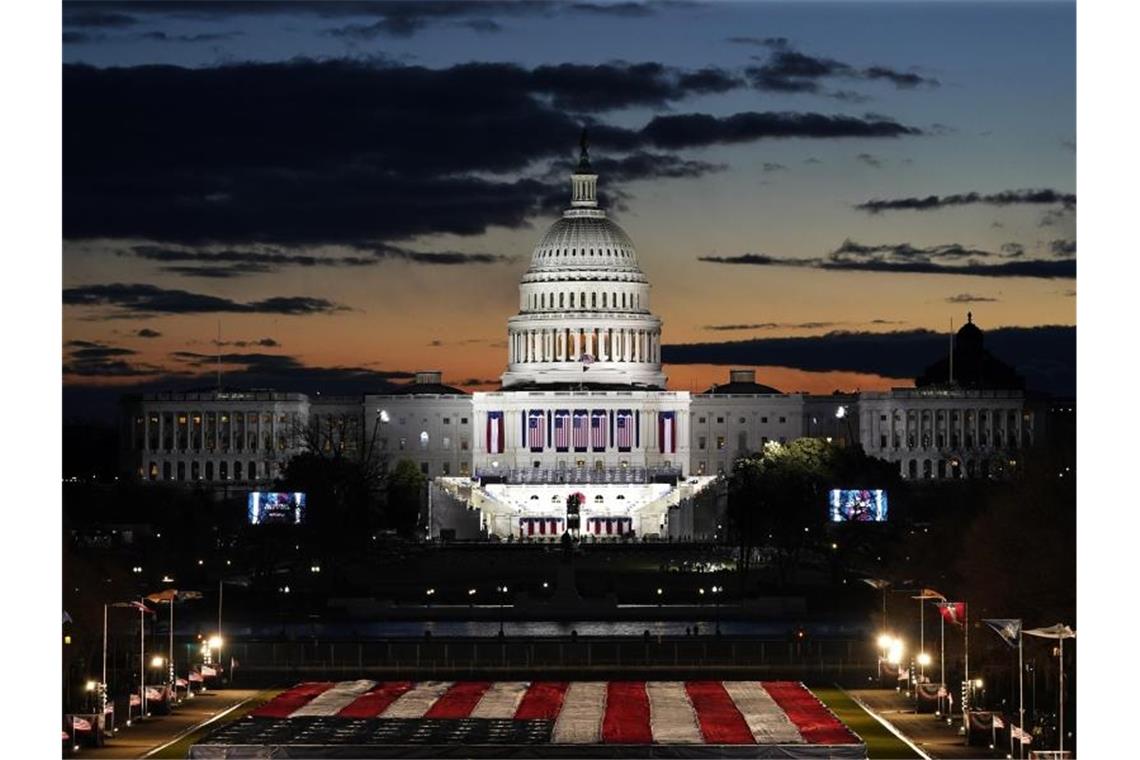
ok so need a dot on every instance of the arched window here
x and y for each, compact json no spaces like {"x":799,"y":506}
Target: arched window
{"x":603,"y":300}
{"x":593,"y":300}
{"x":571,"y":300}
{"x":560,"y":303}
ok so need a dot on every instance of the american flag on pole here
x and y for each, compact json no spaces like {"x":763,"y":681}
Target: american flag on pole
{"x":562,"y":430}
{"x":536,"y":713}
{"x":624,"y":434}
{"x":536,"y":430}
{"x":494,"y":432}
{"x":581,"y":429}
{"x":1020,"y":734}
{"x":998,"y":722}
{"x":667,"y":432}
{"x":135,"y":700}
{"x":598,"y":430}
{"x":80,"y":724}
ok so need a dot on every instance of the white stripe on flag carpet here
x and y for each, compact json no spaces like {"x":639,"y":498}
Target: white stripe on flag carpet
{"x":768,"y":723}
{"x":334,"y":700}
{"x":501,"y":700}
{"x":671,"y":714}
{"x":580,"y":721}
{"x":414,"y":703}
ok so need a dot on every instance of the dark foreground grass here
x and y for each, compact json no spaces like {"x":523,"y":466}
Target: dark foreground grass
{"x":881,"y":743}
{"x":181,"y":748}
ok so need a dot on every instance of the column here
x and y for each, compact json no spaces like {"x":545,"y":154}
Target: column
{"x":589,"y":336}
{"x":629,"y":342}
{"x":637,"y":345}
{"x":577,"y":343}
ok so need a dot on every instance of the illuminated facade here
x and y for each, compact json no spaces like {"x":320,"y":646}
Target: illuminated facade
{"x":584,"y":408}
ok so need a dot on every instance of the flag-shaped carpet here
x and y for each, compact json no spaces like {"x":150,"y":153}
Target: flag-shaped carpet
{"x":759,"y":719}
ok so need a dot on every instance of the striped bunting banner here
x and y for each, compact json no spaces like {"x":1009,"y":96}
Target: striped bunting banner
{"x":584,"y":712}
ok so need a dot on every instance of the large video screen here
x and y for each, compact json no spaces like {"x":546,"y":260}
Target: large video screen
{"x":858,"y":505}
{"x":273,"y":508}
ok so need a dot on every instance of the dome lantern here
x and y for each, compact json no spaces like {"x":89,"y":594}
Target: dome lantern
{"x":584,"y":182}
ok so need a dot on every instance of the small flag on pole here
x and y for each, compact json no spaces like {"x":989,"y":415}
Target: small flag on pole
{"x":67,"y":618}
{"x":953,"y":612}
{"x":81,"y":724}
{"x":139,"y":606}
{"x":136,"y":700}
{"x":1021,"y":735}
{"x":998,"y":722}
{"x":1058,"y":631}
{"x":929,"y":593}
{"x":877,"y":583}
{"x":1008,"y":628}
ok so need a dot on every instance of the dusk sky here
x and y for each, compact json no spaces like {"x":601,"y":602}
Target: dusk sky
{"x":353,"y":190}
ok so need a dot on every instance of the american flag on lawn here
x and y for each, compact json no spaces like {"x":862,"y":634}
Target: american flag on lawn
{"x":135,"y":700}
{"x":562,"y":430}
{"x":624,"y":428}
{"x":580,"y":712}
{"x":598,"y":430}
{"x":998,"y":722}
{"x":81,"y":724}
{"x":1020,"y":734}
{"x":581,"y":429}
{"x":536,"y":430}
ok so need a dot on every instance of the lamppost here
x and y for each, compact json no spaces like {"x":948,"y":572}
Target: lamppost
{"x":503,"y":590}
{"x":716,"y":590}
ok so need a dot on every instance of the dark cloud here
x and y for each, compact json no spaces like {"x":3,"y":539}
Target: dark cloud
{"x":205,"y":37}
{"x":970,"y":298}
{"x":1006,"y":198}
{"x":146,"y":332}
{"x":1012,"y":250}
{"x":773,"y":326}
{"x":950,"y":258}
{"x":773,"y":167}
{"x":638,"y":166}
{"x":94,"y":16}
{"x":873,"y":161}
{"x":91,"y":359}
{"x":262,"y":342}
{"x":81,"y":38}
{"x":768,"y":42}
{"x":1045,"y":355}
{"x":361,"y":153}
{"x":787,"y":70}
{"x":1066,"y":248}
{"x":698,"y":130}
{"x":229,"y":263}
{"x":150,"y":299}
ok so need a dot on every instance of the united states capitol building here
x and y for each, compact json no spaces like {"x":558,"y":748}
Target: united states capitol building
{"x":584,"y":409}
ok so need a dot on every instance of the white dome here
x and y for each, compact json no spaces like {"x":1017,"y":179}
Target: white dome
{"x":584,"y":313}
{"x":584,"y":239}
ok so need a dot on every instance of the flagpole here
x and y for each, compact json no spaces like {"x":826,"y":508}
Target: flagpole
{"x":1061,"y":710}
{"x":921,"y":630}
{"x":1020,"y":693}
{"x":969,"y":690}
{"x":104,"y":681}
{"x":142,"y":660}
{"x":170,"y":674}
{"x":942,"y":652}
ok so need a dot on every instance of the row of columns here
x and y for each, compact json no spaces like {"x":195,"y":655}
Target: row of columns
{"x":605,"y":344}
{"x":188,"y":431}
{"x":930,"y":422}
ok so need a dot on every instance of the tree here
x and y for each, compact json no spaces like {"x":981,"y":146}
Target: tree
{"x":777,"y":497}
{"x":405,"y":487}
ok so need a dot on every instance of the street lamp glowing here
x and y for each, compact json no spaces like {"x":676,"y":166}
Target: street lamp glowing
{"x":923,"y":659}
{"x":90,"y":686}
{"x":215,"y":642}
{"x":885,"y":640}
{"x":978,"y":683}
{"x":895,"y":652}
{"x":840,"y":412}
{"x":157,"y":661}
{"x":384,"y":415}
{"x":660,"y":592}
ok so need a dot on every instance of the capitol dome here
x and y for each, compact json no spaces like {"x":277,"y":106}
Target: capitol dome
{"x":584,"y":303}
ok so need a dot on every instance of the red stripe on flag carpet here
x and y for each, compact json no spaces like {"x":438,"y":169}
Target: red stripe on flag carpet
{"x":459,"y":700}
{"x":376,"y":701}
{"x":627,"y":714}
{"x":720,"y":721}
{"x":285,"y":703}
{"x":815,"y":722}
{"x":542,"y":701}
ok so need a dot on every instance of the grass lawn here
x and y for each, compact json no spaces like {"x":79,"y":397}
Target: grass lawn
{"x":881,"y":743}
{"x":181,"y":748}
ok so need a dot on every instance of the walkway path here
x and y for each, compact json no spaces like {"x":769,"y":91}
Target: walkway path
{"x":928,"y":733}
{"x":141,"y":738}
